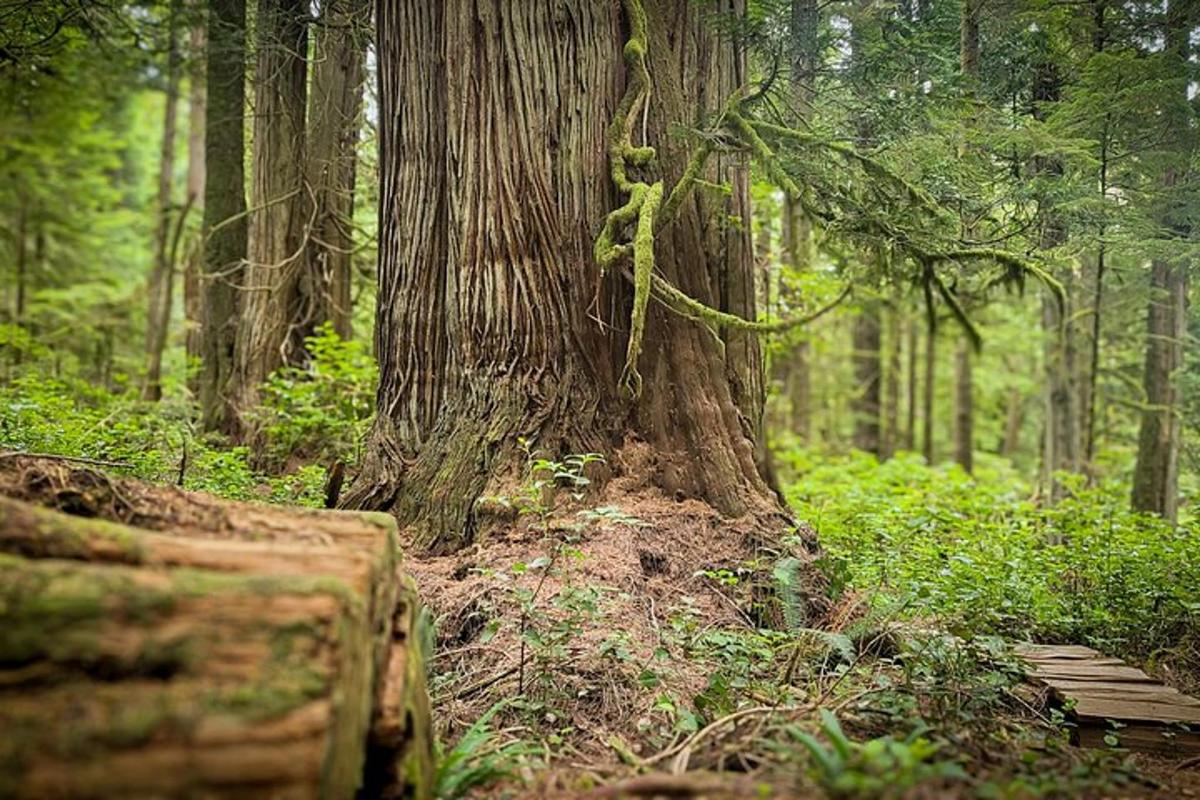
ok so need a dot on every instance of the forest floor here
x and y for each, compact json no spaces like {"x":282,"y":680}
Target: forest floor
{"x":627,"y":642}
{"x":618,"y":643}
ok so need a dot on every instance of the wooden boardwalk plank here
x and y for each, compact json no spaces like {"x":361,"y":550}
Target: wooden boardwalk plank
{"x":1101,"y":690}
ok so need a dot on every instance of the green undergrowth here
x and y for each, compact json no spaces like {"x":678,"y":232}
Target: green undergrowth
{"x":881,"y":704}
{"x":979,"y":555}
{"x":310,"y":418}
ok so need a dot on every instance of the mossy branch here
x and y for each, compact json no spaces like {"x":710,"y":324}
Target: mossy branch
{"x":956,"y":308}
{"x":671,"y":297}
{"x":872,"y":166}
{"x":643,"y":268}
{"x":644,"y":199}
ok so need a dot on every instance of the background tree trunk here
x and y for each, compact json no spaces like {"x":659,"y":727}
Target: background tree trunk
{"x":928,"y":394}
{"x":193,"y":311}
{"x":910,"y":426}
{"x":868,"y":380}
{"x":333,"y":124}
{"x":805,"y":57}
{"x":494,"y":322}
{"x":1099,"y":40}
{"x":964,"y":388}
{"x":1014,"y":418}
{"x":224,"y":203}
{"x":270,"y":332}
{"x":964,"y":408}
{"x":161,"y":286}
{"x":892,"y":440}
{"x":1156,"y":473}
{"x":22,"y":258}
{"x":1062,"y":436}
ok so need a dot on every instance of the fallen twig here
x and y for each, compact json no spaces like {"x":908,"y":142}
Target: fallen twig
{"x":691,"y":785}
{"x":96,"y":462}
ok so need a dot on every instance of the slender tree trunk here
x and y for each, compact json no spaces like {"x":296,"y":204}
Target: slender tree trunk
{"x":969,"y":51}
{"x":1014,"y":417}
{"x":1061,"y":434}
{"x":272,"y":300}
{"x":868,"y":380}
{"x":1061,"y":438}
{"x":1156,"y":473}
{"x":193,"y":311}
{"x":964,"y":408}
{"x":964,"y":388}
{"x":162,"y":276}
{"x":333,"y":125}
{"x":1099,"y":41}
{"x":892,"y":437}
{"x":22,"y":237}
{"x":224,"y":203}
{"x":910,"y":427}
{"x":494,"y":322}
{"x":1093,"y":374}
{"x":928,"y":394}
{"x":804,"y":58}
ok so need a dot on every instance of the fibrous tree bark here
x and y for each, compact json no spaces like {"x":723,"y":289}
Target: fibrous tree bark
{"x":499,"y":131}
{"x":335,"y":103}
{"x":224,"y":203}
{"x":161,"y":285}
{"x":271,"y":298}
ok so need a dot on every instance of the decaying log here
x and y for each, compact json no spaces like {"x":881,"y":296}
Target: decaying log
{"x":246,"y":651}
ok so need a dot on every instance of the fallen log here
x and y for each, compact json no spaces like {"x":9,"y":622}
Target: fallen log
{"x":199,"y":648}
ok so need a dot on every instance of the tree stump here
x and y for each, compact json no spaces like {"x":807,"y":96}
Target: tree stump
{"x":168,"y":644}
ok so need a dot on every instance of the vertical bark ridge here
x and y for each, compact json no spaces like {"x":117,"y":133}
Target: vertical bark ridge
{"x":495,"y":321}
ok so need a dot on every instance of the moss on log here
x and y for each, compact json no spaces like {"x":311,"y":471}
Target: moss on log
{"x":248,"y":652}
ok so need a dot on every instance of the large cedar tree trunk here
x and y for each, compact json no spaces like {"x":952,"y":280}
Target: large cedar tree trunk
{"x":494,"y":322}
{"x":224,"y":203}
{"x":271,"y":299}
